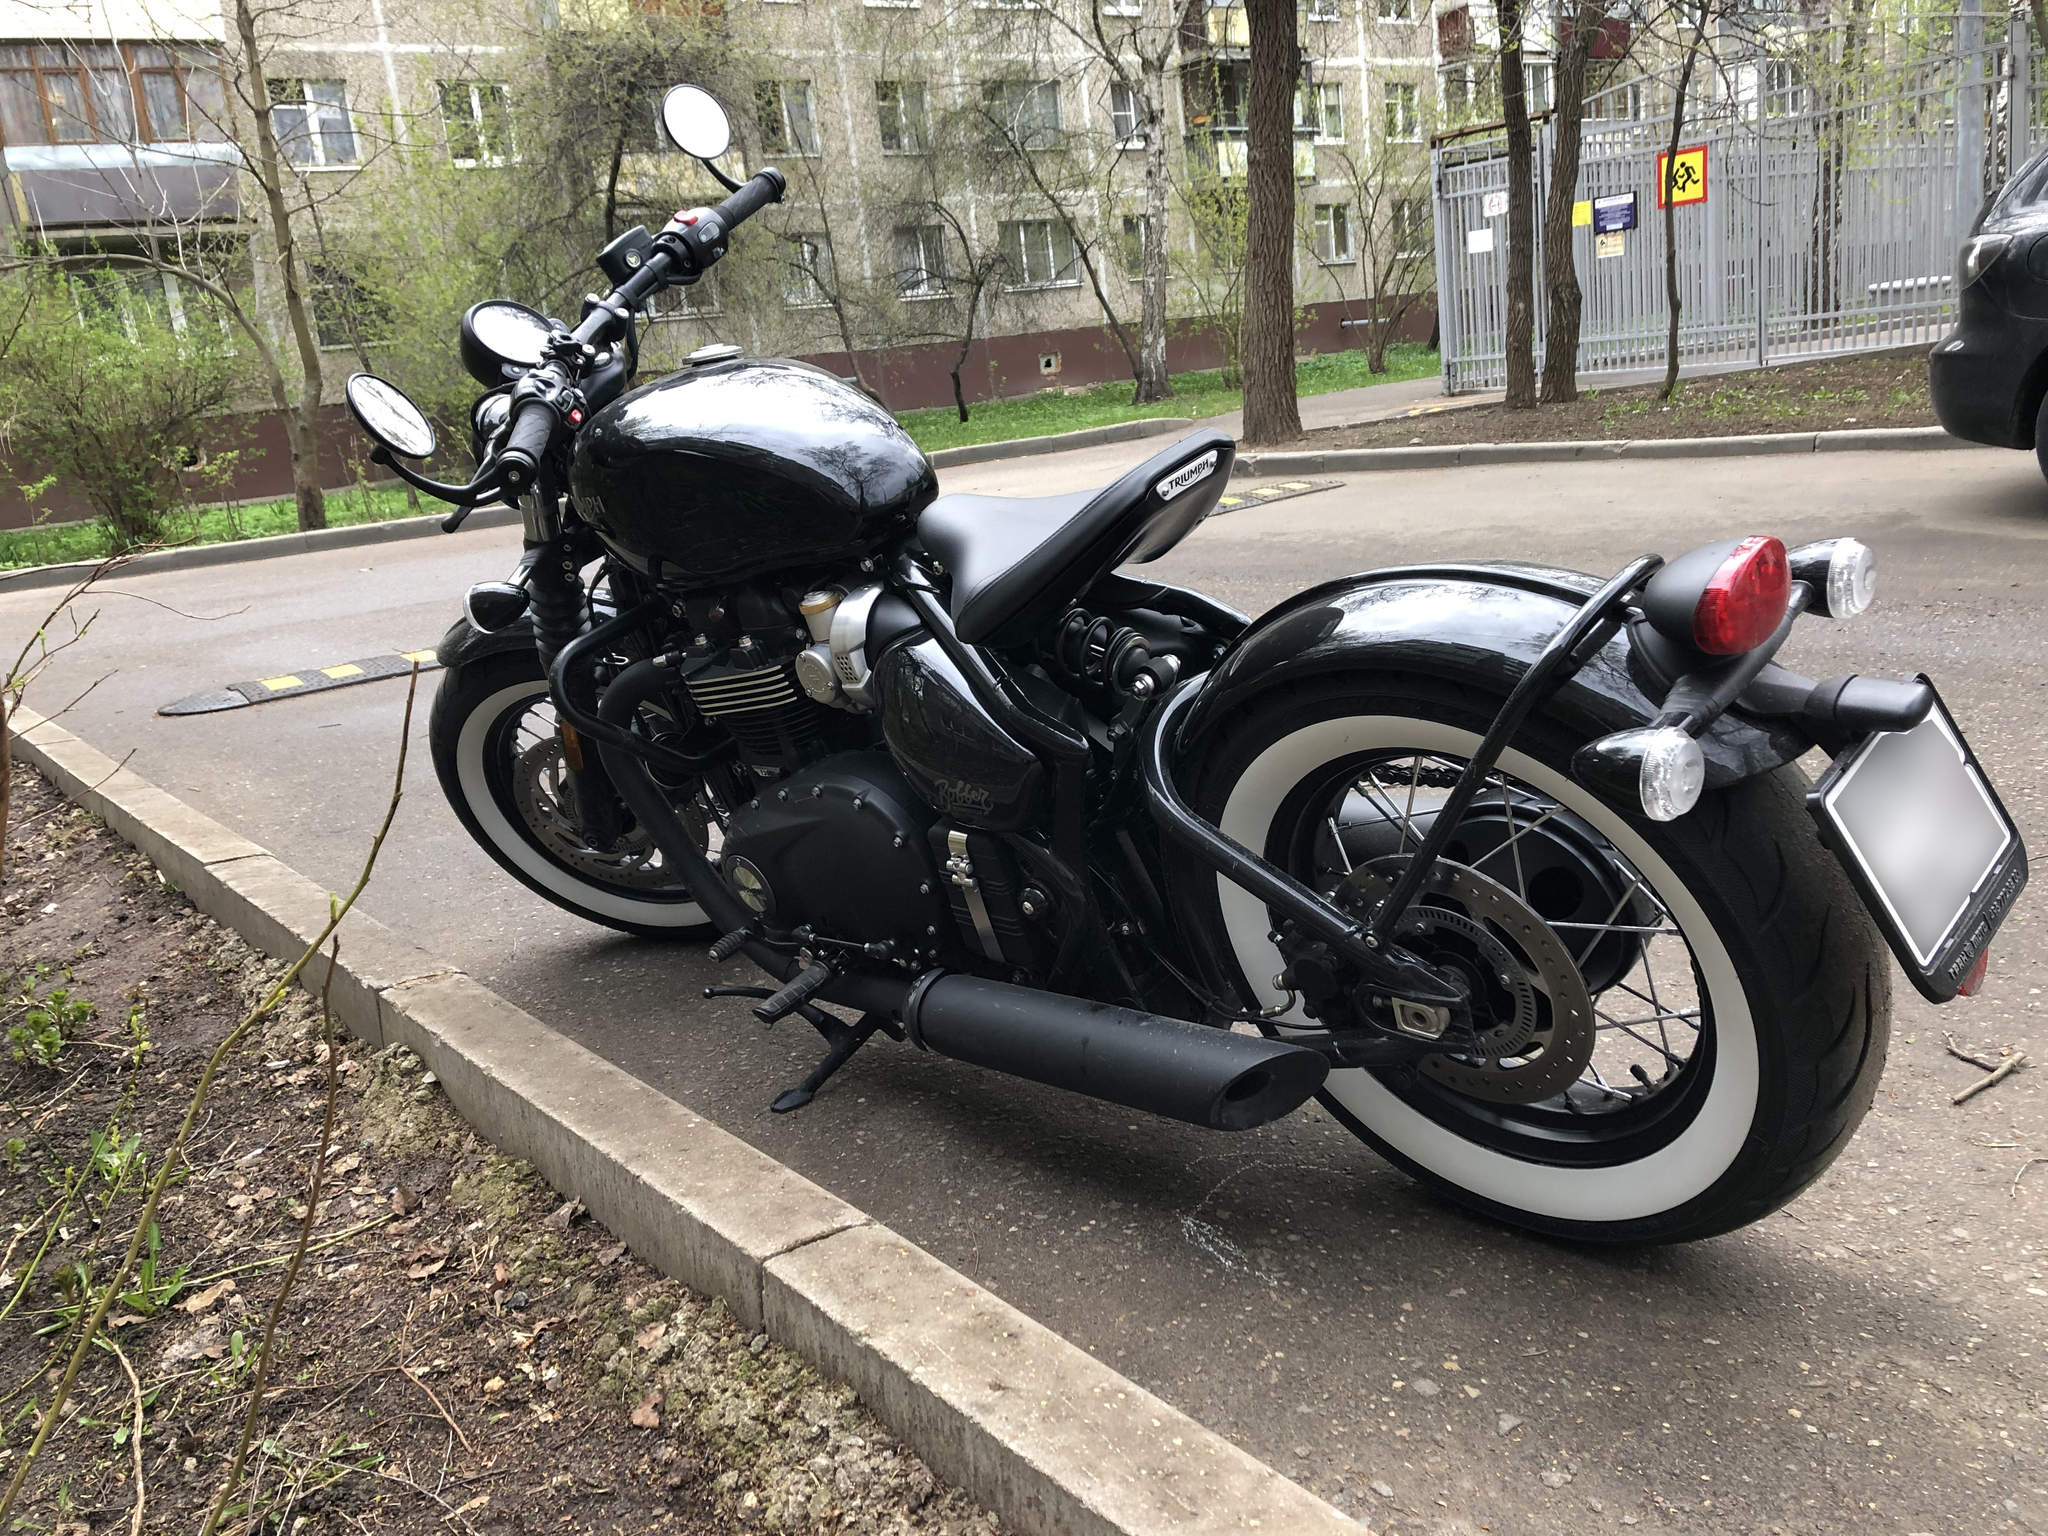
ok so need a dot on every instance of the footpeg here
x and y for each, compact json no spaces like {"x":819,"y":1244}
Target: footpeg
{"x":730,"y":944}
{"x":796,"y":994}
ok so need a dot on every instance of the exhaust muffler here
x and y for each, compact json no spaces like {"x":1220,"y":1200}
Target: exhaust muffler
{"x":1207,"y":1077}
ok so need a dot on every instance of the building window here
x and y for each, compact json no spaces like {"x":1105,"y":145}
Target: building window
{"x":343,"y":311}
{"x":899,"y":104}
{"x":1404,"y":123}
{"x":686,"y":301}
{"x":1124,"y":120}
{"x":1027,"y":110}
{"x":1322,"y":10}
{"x":1131,"y":246}
{"x":809,"y":276}
{"x":1040,"y":253}
{"x":783,"y":110}
{"x":477,"y":117}
{"x":312,"y":122}
{"x":1321,"y":107}
{"x":1413,"y":228}
{"x":87,"y":93}
{"x":1397,"y":10}
{"x":920,"y":261}
{"x":1333,"y":234}
{"x":1536,"y":86}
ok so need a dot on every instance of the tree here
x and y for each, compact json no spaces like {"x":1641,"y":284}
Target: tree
{"x":1564,"y":298}
{"x":1667,"y":193}
{"x":1271,"y":413}
{"x":1521,"y":265}
{"x":1397,"y":234}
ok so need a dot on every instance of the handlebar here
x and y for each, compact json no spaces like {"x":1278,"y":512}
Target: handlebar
{"x":531,"y":431}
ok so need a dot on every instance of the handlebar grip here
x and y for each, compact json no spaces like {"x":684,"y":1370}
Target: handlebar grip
{"x":532,"y":430}
{"x":761,"y":190}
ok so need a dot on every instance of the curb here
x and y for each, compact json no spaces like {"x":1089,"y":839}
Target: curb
{"x":1060,"y":442}
{"x":1035,"y":1428}
{"x":237,"y":551}
{"x":1455,"y":455}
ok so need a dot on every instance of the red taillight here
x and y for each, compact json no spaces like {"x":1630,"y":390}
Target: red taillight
{"x":1744,"y":601}
{"x":1974,"y":982}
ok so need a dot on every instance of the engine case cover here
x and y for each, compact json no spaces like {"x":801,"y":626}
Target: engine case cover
{"x":844,"y":846}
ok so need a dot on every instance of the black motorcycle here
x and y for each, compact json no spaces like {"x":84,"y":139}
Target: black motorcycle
{"x":1511,"y":866}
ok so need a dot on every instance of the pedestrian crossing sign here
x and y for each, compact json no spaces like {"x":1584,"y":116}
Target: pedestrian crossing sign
{"x":1686,"y":178}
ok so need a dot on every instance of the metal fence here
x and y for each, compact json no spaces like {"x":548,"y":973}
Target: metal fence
{"x":1842,"y":169}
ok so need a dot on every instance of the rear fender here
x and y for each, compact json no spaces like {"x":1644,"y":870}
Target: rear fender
{"x":1481,"y":624}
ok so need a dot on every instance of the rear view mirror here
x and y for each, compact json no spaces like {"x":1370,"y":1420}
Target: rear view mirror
{"x":385,"y":411}
{"x":695,"y":122}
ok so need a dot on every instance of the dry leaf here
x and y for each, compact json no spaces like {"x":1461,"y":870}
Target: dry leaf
{"x":207,"y":1297}
{"x":405,"y":1200}
{"x":431,"y":1249}
{"x":500,"y":1273}
{"x":567,"y":1212}
{"x":612,"y":1255}
{"x":494,"y":1385}
{"x":650,"y":1336}
{"x":343,"y":1166}
{"x":645,"y":1414}
{"x":125,"y":1320}
{"x":471,"y":1507}
{"x":422,"y":1271}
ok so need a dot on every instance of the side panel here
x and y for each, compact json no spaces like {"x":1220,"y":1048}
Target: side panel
{"x":959,"y":759}
{"x":1482,"y":625}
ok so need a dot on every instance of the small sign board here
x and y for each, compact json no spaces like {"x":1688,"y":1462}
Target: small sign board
{"x":1494,"y":205}
{"x":1605,"y":246}
{"x":1686,"y":176}
{"x":1478,"y":242}
{"x":1582,"y":213}
{"x":1612,"y":215}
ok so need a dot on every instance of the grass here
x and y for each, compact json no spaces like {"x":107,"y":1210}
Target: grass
{"x":1195,"y":394}
{"x":56,"y":543}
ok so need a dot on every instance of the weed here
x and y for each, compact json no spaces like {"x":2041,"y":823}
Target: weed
{"x":48,"y":1020}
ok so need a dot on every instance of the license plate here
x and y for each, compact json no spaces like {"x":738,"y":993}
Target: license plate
{"x":1922,"y":834}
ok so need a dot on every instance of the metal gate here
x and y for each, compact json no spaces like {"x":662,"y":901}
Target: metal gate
{"x":1842,"y":169}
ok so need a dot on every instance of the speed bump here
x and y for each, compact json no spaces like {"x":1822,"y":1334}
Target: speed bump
{"x":1279,"y":491}
{"x":289,"y":685}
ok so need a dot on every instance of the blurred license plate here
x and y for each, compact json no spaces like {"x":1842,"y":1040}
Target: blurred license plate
{"x":1923,"y":835}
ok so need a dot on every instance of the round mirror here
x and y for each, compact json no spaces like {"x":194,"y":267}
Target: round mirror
{"x":500,"y":339}
{"x":695,"y":122}
{"x":384,"y":411}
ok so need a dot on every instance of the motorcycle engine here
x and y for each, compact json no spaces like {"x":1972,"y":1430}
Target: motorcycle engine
{"x":843,"y":847}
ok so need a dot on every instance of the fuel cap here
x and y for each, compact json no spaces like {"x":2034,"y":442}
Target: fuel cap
{"x":716,"y":352}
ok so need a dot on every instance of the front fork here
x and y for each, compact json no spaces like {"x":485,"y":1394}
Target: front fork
{"x":560,"y":606}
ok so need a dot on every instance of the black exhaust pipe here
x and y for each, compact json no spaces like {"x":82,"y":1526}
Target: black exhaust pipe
{"x":1207,"y":1077}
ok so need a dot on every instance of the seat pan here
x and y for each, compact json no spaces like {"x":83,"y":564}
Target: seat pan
{"x":1016,"y":562}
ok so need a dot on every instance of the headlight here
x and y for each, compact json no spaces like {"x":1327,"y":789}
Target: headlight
{"x":1979,"y":252}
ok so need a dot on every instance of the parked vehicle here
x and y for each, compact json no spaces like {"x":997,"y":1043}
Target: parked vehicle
{"x":1989,"y":376}
{"x":1511,"y":865}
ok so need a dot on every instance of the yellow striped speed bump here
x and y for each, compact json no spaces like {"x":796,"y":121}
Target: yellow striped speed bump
{"x":1278,"y":491}
{"x":289,"y":685}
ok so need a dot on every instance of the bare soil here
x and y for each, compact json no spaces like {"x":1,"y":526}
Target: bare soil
{"x":1883,"y":389}
{"x":462,"y":1351}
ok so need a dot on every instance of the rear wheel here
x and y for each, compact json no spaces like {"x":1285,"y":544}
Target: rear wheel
{"x":1682,"y":1023}
{"x":500,"y":761}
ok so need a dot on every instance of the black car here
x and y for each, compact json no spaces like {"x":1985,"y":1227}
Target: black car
{"x":1990,"y":374}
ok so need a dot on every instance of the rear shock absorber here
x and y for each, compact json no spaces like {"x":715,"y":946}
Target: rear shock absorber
{"x":1099,"y":652}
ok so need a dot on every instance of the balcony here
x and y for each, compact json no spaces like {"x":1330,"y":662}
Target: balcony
{"x":68,"y":186}
{"x":1220,"y":154}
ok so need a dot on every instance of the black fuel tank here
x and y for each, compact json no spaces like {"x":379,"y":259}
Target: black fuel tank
{"x":732,"y":469}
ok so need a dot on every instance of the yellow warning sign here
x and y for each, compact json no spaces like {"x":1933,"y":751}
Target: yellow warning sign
{"x":1582,"y":213}
{"x":1685,"y":178}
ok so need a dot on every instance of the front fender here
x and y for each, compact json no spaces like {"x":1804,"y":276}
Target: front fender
{"x":465,"y":643}
{"x":1481,"y":624}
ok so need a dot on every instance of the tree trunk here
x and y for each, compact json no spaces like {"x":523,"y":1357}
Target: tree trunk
{"x":1521,"y":284}
{"x":6,"y":778}
{"x":302,"y":417}
{"x":2040,"y":10}
{"x":1692,"y":54}
{"x":1560,"y":271}
{"x":1153,"y":383}
{"x":1266,"y":344}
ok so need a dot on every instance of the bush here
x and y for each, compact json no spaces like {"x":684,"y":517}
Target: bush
{"x":107,"y":395}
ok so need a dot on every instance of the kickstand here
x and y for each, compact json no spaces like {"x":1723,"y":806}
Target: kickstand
{"x":841,"y":1041}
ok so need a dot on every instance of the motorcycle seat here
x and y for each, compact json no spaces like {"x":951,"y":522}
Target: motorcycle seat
{"x":1016,"y":562}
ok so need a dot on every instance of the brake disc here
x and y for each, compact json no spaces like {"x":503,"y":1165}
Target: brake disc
{"x":540,"y":788}
{"x":1531,"y":1014}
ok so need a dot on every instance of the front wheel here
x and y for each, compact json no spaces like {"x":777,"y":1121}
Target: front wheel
{"x":500,"y":761}
{"x":1680,"y":1023}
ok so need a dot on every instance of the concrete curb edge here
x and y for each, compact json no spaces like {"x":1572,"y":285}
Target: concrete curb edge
{"x":234,"y":553}
{"x":1051,"y":1439}
{"x":1060,"y":442}
{"x":1456,"y":455}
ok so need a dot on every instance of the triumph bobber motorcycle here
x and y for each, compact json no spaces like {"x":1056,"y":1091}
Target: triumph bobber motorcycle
{"x":1511,"y":866}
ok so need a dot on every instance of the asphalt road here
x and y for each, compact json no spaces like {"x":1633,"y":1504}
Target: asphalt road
{"x":1870,"y":1359}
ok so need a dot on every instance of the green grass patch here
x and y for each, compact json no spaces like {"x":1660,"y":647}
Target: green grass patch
{"x":57,"y":543}
{"x":1195,"y":394}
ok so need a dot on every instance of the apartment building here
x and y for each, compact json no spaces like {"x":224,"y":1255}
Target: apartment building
{"x":117,"y":127}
